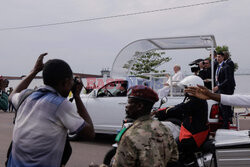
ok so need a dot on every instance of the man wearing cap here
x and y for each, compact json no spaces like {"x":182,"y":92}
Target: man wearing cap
{"x":147,"y":143}
{"x":3,"y":95}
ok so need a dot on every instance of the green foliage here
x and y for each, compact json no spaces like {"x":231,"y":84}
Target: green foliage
{"x":236,"y":66}
{"x":146,"y":63}
{"x":225,"y":48}
{"x":222,"y":48}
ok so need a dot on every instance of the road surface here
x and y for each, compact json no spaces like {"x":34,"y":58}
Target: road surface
{"x":84,"y":152}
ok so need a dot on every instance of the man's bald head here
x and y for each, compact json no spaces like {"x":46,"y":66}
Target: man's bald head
{"x":177,"y":68}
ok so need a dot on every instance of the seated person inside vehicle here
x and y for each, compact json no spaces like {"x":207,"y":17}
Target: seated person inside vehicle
{"x":115,"y":89}
{"x":121,"y":90}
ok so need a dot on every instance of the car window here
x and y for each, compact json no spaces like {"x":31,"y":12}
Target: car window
{"x":115,"y":89}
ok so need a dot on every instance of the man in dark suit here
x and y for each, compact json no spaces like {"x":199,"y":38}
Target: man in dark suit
{"x":230,"y":63}
{"x":207,"y":80}
{"x":224,"y":75}
{"x":202,"y":72}
{"x":225,"y":84}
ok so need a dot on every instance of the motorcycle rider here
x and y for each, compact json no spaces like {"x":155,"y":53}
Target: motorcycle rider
{"x":194,"y":128}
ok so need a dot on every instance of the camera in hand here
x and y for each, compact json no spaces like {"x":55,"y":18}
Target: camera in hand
{"x":73,"y":89}
{"x":76,"y":82}
{"x":195,"y":65}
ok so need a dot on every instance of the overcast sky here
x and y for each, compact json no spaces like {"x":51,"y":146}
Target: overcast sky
{"x":91,"y":46}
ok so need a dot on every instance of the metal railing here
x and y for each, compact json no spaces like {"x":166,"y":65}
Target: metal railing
{"x":155,"y":80}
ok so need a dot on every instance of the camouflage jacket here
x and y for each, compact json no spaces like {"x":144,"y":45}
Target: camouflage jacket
{"x":147,"y":143}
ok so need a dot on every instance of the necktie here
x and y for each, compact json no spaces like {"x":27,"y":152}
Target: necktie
{"x":217,"y":72}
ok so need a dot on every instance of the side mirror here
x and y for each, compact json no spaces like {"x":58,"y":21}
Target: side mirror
{"x":164,"y":100}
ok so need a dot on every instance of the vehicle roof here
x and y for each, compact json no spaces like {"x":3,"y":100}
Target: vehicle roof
{"x":139,"y":47}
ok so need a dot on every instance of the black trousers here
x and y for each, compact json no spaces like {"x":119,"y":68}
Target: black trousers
{"x":187,"y":148}
{"x":227,"y":114}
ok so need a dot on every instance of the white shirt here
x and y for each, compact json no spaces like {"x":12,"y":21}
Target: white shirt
{"x":236,"y":100}
{"x":41,"y":128}
{"x":217,"y":72}
{"x":177,"y":77}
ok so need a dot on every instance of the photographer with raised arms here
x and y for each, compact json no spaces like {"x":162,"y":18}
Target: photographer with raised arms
{"x":45,"y":116}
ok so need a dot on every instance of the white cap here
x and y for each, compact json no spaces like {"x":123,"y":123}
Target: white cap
{"x":192,"y":80}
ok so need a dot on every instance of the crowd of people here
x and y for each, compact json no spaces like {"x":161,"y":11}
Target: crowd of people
{"x":224,"y":81}
{"x":44,"y":117}
{"x":223,"y":76}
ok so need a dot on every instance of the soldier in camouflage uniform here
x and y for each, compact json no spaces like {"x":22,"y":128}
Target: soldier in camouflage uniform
{"x":147,"y":143}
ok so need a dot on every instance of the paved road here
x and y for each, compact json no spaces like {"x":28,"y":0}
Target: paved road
{"x":83,"y":153}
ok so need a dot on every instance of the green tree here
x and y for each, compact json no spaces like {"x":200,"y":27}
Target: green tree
{"x":222,"y":48}
{"x":146,"y":63}
{"x":225,"y":48}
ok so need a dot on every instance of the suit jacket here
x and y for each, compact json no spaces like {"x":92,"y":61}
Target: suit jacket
{"x":230,"y":63}
{"x":226,"y":82}
{"x":208,"y":76}
{"x":202,"y":74}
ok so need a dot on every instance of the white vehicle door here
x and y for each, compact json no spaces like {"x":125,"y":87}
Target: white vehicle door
{"x":107,"y":109}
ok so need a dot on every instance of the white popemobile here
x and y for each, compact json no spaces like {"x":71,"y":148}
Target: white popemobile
{"x":106,"y":104}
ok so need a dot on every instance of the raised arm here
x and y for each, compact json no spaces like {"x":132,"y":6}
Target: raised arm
{"x":203,"y":93}
{"x":88,"y":130}
{"x":27,"y":80}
